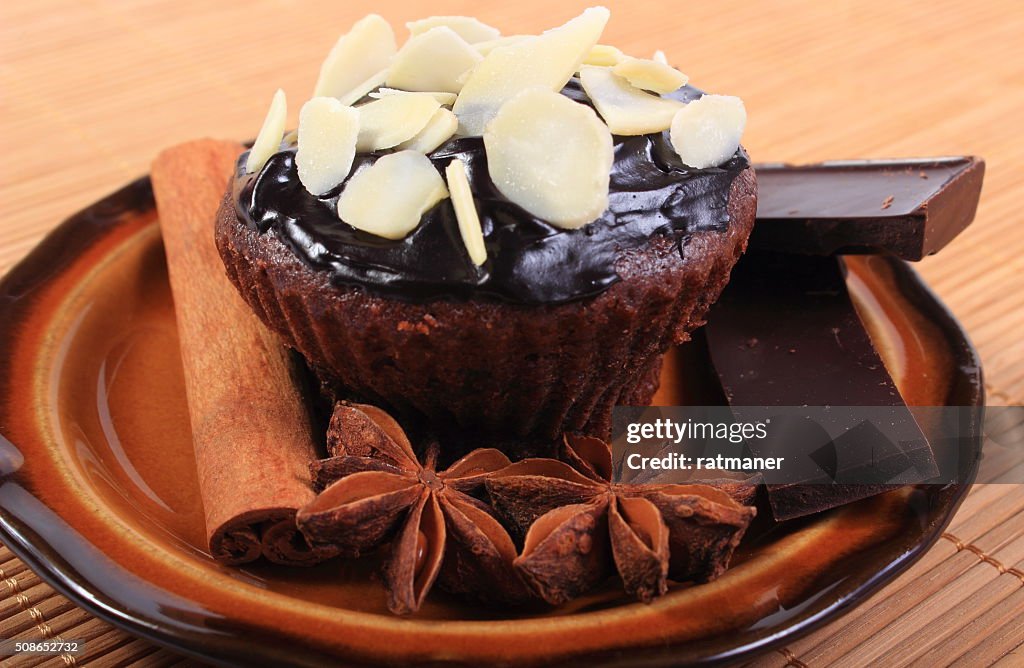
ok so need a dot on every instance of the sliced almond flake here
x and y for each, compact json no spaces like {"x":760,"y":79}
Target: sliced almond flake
{"x":326,"y":143}
{"x":548,"y":61}
{"x":660,"y":57}
{"x":551,"y":156}
{"x":439,"y":129}
{"x":625,"y":108}
{"x":707,"y":131}
{"x":446,"y":99}
{"x":392,"y":120}
{"x":465,"y":211}
{"x":375,"y":81}
{"x":468,"y":28}
{"x":268,"y":141}
{"x":434,"y":60}
{"x":462,"y":82}
{"x":604,"y":55}
{"x":367,"y":48}
{"x":650,"y":75}
{"x":389,"y":197}
{"x":490,"y":45}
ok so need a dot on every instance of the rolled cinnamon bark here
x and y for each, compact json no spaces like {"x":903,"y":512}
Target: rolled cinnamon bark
{"x":250,"y":425}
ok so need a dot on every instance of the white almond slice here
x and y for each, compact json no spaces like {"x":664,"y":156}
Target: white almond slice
{"x":551,"y":156}
{"x":490,"y":45}
{"x":439,"y":129}
{"x":327,"y":144}
{"x":604,"y":55}
{"x":268,"y":141}
{"x":446,"y":99}
{"x":360,"y":53}
{"x":707,"y":131}
{"x":651,"y":75}
{"x":375,"y":81}
{"x":465,"y":211}
{"x":434,"y":60}
{"x":660,"y":57}
{"x":389,"y":197}
{"x":548,"y":61}
{"x":392,"y":120}
{"x":462,"y":82}
{"x":468,"y":28}
{"x":625,"y":108}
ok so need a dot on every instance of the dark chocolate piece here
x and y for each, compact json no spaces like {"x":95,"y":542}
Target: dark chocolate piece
{"x":785,"y":333}
{"x":529,"y":261}
{"x":911,"y":208}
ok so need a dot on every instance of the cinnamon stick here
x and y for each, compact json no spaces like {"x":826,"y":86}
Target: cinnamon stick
{"x":250,"y":425}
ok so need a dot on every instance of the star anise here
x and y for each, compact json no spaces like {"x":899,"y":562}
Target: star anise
{"x":375,"y":489}
{"x":579,"y":526}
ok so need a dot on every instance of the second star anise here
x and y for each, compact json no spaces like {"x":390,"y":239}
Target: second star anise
{"x":375,"y":488}
{"x":579,"y":526}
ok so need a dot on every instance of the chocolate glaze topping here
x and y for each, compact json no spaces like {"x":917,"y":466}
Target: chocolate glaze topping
{"x":529,"y":261}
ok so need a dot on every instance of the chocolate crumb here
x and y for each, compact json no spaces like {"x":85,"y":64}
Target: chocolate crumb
{"x":923,"y":175}
{"x":888,"y":202}
{"x":419,"y":327}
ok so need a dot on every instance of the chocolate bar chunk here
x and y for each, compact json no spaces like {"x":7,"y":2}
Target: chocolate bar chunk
{"x":911,"y":207}
{"x":785,"y":333}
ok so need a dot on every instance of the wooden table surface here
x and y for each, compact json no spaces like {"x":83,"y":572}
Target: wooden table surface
{"x":91,"y":90}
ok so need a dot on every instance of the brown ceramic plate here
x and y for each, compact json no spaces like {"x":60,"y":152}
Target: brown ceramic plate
{"x":98,"y":490}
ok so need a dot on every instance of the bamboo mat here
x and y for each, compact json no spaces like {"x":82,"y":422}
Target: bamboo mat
{"x":91,"y":90}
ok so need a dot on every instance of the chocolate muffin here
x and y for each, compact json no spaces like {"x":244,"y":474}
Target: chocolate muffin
{"x":582,"y":280}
